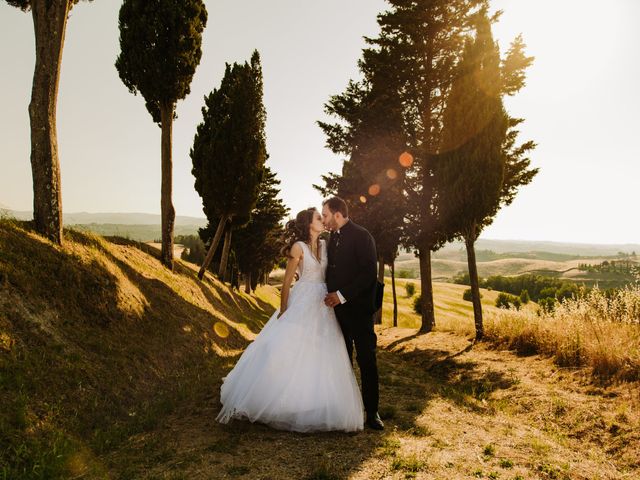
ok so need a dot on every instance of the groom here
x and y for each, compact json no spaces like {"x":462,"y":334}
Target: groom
{"x":351,"y":281}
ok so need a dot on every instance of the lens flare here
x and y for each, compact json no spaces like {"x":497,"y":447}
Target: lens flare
{"x":221,"y":329}
{"x":392,"y":174}
{"x":363,"y":199}
{"x":374,"y":189}
{"x":406,"y":159}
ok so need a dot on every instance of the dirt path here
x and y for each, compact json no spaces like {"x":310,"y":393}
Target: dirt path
{"x":451,"y":412}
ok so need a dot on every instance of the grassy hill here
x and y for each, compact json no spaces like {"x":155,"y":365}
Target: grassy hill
{"x":452,"y":312}
{"x":98,"y":341}
{"x":110,"y":368}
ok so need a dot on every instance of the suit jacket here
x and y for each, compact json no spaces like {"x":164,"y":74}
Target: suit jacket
{"x":352,"y":268}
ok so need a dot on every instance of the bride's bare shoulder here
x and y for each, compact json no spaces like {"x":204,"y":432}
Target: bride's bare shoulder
{"x":296,"y":250}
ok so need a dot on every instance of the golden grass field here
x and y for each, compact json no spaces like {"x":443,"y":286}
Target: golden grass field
{"x":452,"y":312}
{"x":110,"y":367}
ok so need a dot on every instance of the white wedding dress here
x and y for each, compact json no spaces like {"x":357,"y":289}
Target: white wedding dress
{"x":296,"y":374}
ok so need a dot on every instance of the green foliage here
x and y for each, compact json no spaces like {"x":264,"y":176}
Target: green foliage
{"x":469,"y":172}
{"x":506,"y":300}
{"x":524,"y":296}
{"x":194,"y":251}
{"x":411,"y":464}
{"x":410,"y":288}
{"x":547,"y":304}
{"x":257,"y":245}
{"x":536,"y":286}
{"x":467,"y":295}
{"x":160,"y":42}
{"x":229,"y":148}
{"x":370,"y":133}
{"x":417,"y":305}
{"x":25,"y":5}
{"x":462,"y":279}
{"x":489,"y":450}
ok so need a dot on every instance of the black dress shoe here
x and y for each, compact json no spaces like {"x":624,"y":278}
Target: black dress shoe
{"x":374,"y":422}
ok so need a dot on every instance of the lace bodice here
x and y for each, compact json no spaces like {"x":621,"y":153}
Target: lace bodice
{"x":313,"y":270}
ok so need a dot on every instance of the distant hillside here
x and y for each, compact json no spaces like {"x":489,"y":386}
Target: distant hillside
{"x":139,"y":233}
{"x":451,"y":261}
{"x":84,"y":218}
{"x":142,"y":227}
{"x":579,"y":249}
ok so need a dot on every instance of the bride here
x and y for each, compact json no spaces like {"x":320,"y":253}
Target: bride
{"x":296,"y":374}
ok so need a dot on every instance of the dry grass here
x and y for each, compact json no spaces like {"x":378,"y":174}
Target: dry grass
{"x":450,"y":413}
{"x":110,"y":367}
{"x":99,"y":341}
{"x":598,"y":332}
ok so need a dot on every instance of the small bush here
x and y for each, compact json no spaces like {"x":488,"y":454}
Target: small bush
{"x":507,"y":301}
{"x":405,"y":274}
{"x":410,"y":288}
{"x":468,"y":295}
{"x":489,"y":450}
{"x":547,"y":304}
{"x":524,"y":296}
{"x":417,"y":305}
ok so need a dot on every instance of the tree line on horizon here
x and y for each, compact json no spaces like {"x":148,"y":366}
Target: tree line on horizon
{"x":430,"y":152}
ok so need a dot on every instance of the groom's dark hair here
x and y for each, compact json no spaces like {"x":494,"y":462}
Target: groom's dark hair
{"x":336,"y":204}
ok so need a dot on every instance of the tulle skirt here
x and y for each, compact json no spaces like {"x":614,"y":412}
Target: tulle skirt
{"x":296,"y":374}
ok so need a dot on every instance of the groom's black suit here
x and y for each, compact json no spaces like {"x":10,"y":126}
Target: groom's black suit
{"x":352,"y":271}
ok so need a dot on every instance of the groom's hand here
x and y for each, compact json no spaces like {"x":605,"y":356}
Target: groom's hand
{"x":332,"y":299}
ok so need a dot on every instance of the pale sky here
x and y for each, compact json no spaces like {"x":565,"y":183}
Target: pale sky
{"x":581,"y":106}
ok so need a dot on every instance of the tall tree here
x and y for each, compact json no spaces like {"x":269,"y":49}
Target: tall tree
{"x":229,"y":148}
{"x":370,"y":132}
{"x":160,"y":42}
{"x":425,"y":39}
{"x":49,"y":24}
{"x":256,"y":245}
{"x":473,"y":180}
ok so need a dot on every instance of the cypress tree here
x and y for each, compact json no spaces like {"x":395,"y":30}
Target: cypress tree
{"x":160,"y":42}
{"x":229,"y":149}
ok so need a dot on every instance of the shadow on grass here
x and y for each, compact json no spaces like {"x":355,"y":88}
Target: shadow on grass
{"x":105,"y":378}
{"x":255,"y":312}
{"x":82,"y":375}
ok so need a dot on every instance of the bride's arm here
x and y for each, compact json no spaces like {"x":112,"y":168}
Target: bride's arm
{"x":294,"y":259}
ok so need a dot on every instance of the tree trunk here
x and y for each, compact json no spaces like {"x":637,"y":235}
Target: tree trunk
{"x":426,"y":294}
{"x":475,"y":287}
{"x":166,"y":206}
{"x":247,"y":283}
{"x":393,"y":289}
{"x":225,"y":254}
{"x":49,"y":24}
{"x":214,"y":245}
{"x":377,"y":319}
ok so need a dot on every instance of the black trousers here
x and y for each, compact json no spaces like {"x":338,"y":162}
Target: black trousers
{"x":358,"y":331}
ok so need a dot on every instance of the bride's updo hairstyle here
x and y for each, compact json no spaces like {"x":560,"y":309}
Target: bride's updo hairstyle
{"x":297,"y":230}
